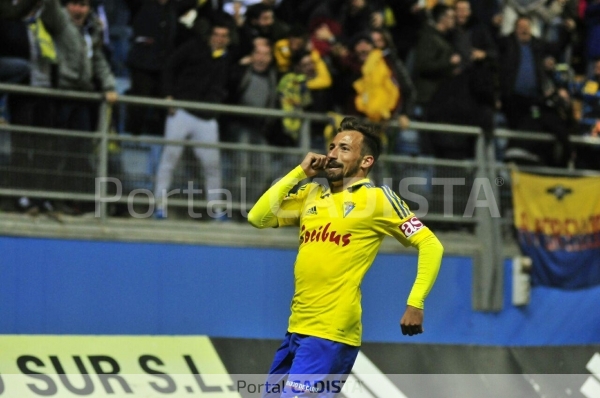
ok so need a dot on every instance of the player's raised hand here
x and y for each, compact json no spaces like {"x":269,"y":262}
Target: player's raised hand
{"x":312,"y":163}
{"x":412,"y":321}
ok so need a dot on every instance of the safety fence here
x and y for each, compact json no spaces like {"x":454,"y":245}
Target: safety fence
{"x":104,"y":167}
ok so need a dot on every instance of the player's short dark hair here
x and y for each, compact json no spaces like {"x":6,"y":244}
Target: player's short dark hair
{"x":371,"y":144}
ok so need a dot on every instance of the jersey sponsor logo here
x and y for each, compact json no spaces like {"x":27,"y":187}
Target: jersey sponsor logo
{"x":348,"y":206}
{"x":312,"y":211}
{"x":411,"y":226}
{"x":323,"y":234}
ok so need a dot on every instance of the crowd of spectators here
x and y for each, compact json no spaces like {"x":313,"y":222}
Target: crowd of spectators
{"x":465,"y":62}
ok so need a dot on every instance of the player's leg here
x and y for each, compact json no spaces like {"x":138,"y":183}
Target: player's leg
{"x":320,"y":368}
{"x":279,"y":368}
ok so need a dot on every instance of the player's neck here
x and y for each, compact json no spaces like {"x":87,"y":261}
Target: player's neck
{"x":340,"y":186}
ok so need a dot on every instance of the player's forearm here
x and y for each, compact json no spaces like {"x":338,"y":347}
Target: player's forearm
{"x":430,"y":259}
{"x":264,"y":212}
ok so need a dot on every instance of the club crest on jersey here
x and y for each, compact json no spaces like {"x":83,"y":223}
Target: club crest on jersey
{"x":411,"y":226}
{"x":348,"y":206}
{"x":312,"y":211}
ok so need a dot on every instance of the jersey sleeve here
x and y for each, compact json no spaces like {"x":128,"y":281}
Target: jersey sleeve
{"x":393,"y":217}
{"x":291,"y":206}
{"x":277,"y":207}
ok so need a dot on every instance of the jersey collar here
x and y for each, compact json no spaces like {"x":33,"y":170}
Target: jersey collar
{"x":351,"y":188}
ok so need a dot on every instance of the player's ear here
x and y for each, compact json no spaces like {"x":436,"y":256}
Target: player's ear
{"x":367,"y":161}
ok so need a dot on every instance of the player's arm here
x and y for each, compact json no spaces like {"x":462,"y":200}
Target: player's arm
{"x":265,"y":212}
{"x":429,"y":262}
{"x":394,"y":218}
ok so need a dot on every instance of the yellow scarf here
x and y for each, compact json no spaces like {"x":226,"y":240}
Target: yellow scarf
{"x":44,"y":40}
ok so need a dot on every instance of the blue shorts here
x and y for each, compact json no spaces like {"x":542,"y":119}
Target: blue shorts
{"x":308,"y":366}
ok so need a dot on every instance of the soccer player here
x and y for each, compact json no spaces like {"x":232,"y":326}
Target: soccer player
{"x":341,"y":229}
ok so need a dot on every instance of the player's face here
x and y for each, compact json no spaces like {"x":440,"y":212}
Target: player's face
{"x":344,"y":158}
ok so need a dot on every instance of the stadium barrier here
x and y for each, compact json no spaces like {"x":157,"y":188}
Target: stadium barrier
{"x":447,"y":191}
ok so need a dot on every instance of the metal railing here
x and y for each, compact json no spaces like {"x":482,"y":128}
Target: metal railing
{"x":488,"y":262}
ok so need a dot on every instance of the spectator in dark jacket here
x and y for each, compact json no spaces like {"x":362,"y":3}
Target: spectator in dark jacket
{"x":436,"y":60}
{"x":14,"y":43}
{"x":478,"y":53}
{"x":196,"y":71}
{"x":467,"y":97}
{"x":525,"y":89}
{"x":154,"y":27}
{"x":488,"y":13}
{"x":410,"y":17}
{"x":356,"y":16}
{"x":28,"y":56}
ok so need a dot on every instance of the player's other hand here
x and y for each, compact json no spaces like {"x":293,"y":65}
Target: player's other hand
{"x":412,"y":321}
{"x":312,"y":163}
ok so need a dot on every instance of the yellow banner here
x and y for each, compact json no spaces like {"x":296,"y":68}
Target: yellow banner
{"x":556,"y":206}
{"x":111,"y":366}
